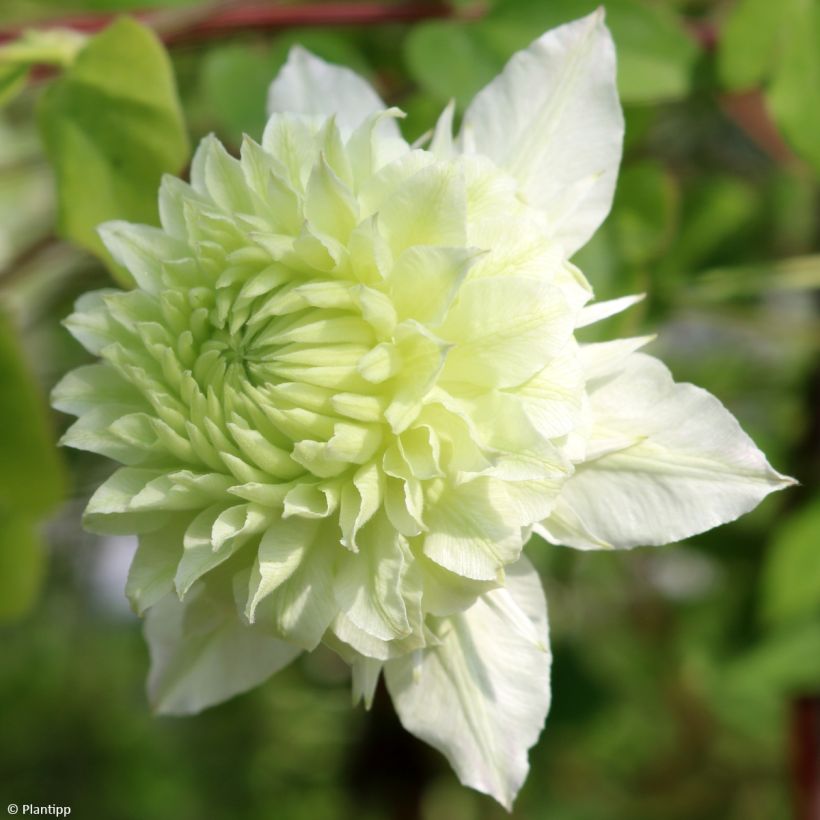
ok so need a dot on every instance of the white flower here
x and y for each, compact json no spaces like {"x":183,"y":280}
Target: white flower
{"x":347,"y":389}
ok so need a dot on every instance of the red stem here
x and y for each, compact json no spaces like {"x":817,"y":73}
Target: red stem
{"x":223,"y":20}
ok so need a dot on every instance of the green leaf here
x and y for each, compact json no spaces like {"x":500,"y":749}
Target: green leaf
{"x":12,"y":81}
{"x":31,"y":478}
{"x":656,"y":57}
{"x":644,"y":211}
{"x":451,"y":60}
{"x":112,"y":126}
{"x":753,"y":691}
{"x":792,"y":94}
{"x":748,"y":43}
{"x":791,"y":580}
{"x":21,"y":565}
{"x":226,"y":69}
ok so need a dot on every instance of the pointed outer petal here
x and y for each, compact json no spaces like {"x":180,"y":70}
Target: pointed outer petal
{"x":291,"y":585}
{"x":602,"y":358}
{"x":368,"y":148}
{"x":446,"y":593}
{"x":93,"y":432}
{"x":365,"y":678}
{"x":90,"y":324}
{"x":173,"y":193}
{"x":370,"y":256}
{"x":182,"y":490}
{"x":294,"y":142}
{"x":391,"y":179}
{"x":552,"y":399}
{"x":516,"y":450}
{"x":308,"y":85}
{"x":468,"y":534}
{"x":460,"y":453}
{"x":422,"y":355}
{"x":442,"y":143}
{"x":142,"y":250}
{"x":151,"y":576}
{"x":378,"y":588}
{"x":109,"y":510}
{"x":429,"y":208}
{"x":482,"y":695}
{"x":329,"y":205}
{"x":359,"y":502}
{"x":202,"y":653}
{"x":553,"y":120}
{"x":214,"y":536}
{"x":267,"y":176}
{"x":425,"y":280}
{"x":87,"y":387}
{"x":267,"y":456}
{"x":527,"y":502}
{"x":692,"y":469}
{"x":504,"y":330}
{"x":598,"y":311}
{"x":225,"y":179}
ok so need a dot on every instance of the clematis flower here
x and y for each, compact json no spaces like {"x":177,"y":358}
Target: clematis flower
{"x":346,"y":390}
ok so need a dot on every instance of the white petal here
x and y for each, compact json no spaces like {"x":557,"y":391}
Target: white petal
{"x":482,"y":695}
{"x":151,"y":575}
{"x":365,"y":677}
{"x":601,"y":358}
{"x":598,"y":311}
{"x":553,"y":120}
{"x":683,"y":464}
{"x":201,"y":653}
{"x":308,"y":85}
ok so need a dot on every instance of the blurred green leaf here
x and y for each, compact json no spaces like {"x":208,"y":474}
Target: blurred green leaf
{"x":56,"y":47}
{"x":792,"y":95}
{"x":716,"y":212}
{"x":31,"y":478}
{"x":112,"y":126}
{"x":656,"y":57}
{"x":723,"y":284}
{"x":791,"y":580}
{"x":644,"y":211}
{"x":21,"y":565}
{"x":755,"y":689}
{"x":450,"y":60}
{"x":748,"y":43}
{"x":235,"y":80}
{"x":12,"y":81}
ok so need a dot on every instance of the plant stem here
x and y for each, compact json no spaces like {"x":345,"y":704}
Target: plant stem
{"x":224,"y":19}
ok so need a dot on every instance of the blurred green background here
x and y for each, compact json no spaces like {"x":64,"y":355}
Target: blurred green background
{"x":676,"y":669}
